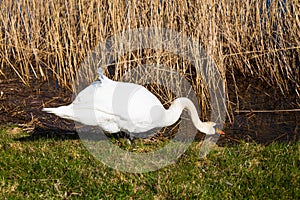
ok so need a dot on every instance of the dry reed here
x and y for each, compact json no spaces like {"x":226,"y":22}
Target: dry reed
{"x":50,"y":39}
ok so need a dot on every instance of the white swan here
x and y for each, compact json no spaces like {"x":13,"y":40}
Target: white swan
{"x":120,"y":106}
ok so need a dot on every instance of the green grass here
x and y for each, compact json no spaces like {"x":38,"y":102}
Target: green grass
{"x":61,"y":168}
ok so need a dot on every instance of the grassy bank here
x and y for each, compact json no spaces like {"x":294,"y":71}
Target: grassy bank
{"x":58,"y":167}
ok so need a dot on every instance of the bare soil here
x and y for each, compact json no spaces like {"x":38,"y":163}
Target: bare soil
{"x":22,"y":105}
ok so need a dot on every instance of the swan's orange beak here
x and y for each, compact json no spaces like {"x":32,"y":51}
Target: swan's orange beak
{"x":218,"y":131}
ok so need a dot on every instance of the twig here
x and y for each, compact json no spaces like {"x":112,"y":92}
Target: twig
{"x":231,"y":138}
{"x":267,"y":111}
{"x":263,"y":52}
{"x":280,"y":136}
{"x":44,"y":104}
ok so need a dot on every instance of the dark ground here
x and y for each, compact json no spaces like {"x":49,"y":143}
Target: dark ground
{"x":20,"y":104}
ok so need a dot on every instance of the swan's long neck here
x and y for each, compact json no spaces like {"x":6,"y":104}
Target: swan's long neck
{"x":175,"y":110}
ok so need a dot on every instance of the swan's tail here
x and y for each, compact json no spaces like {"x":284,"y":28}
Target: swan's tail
{"x":62,"y":111}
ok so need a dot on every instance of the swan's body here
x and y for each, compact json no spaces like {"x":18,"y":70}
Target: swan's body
{"x":119,"y":106}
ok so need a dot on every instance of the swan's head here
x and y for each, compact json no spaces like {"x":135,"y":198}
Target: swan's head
{"x":209,"y":128}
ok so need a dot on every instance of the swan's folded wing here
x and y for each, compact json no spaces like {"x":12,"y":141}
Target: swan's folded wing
{"x":129,"y":106}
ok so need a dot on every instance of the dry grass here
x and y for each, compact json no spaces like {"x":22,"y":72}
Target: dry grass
{"x":50,"y":39}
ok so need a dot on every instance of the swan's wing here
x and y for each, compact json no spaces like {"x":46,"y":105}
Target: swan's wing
{"x":139,"y":110}
{"x":126,"y":105}
{"x":97,"y":96}
{"x":92,"y":106}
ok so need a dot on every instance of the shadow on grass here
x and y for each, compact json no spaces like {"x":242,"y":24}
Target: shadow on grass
{"x":49,"y":133}
{"x":92,"y":133}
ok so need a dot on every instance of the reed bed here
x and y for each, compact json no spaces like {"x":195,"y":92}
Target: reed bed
{"x":50,"y":39}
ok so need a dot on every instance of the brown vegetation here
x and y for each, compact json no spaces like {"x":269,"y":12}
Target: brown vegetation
{"x":50,"y":39}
